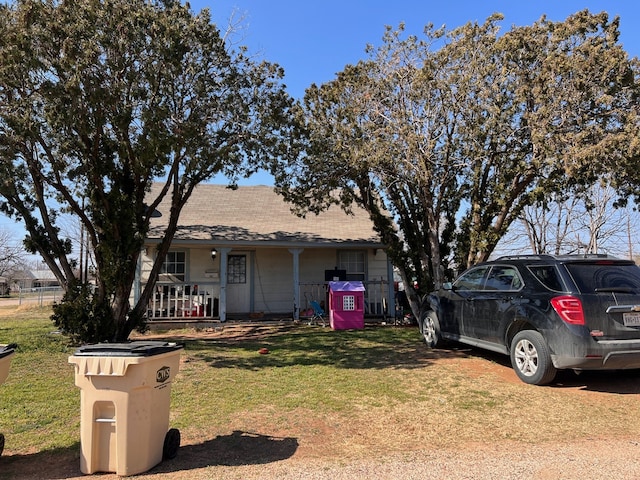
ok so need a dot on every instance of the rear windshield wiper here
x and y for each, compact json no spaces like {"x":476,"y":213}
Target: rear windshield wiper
{"x":616,"y":290}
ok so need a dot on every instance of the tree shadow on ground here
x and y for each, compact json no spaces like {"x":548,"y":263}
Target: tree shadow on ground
{"x":237,"y":449}
{"x":370,"y":348}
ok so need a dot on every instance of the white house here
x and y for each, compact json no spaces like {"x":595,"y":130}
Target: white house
{"x":243,"y":253}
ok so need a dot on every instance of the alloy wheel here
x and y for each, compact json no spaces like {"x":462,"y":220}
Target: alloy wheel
{"x":526,"y":357}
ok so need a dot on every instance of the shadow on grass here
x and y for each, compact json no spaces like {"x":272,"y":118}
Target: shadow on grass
{"x":237,"y":449}
{"x":374,"y":347}
{"x":369,"y":348}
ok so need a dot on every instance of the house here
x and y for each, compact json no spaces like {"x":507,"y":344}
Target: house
{"x":34,"y":280}
{"x":242,"y":252}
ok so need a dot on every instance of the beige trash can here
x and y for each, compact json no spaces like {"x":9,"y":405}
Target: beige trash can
{"x":125,"y":395}
{"x":6,"y":353}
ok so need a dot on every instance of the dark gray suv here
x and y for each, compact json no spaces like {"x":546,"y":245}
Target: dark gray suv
{"x":546,"y":312}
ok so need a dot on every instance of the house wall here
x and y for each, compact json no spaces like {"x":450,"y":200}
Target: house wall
{"x":377,"y":265}
{"x":273,"y":281}
{"x":272,"y":271}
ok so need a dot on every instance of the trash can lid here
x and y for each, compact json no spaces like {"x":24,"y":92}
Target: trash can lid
{"x":127,"y":349}
{"x":7,"y":349}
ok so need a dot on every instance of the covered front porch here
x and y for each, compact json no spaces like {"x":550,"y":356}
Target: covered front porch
{"x":206,"y":283}
{"x":201,"y":302}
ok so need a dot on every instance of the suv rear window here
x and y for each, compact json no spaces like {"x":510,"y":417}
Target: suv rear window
{"x":594,"y":277}
{"x":548,"y":276}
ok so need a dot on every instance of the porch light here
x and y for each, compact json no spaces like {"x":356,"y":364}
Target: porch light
{"x":214,"y":253}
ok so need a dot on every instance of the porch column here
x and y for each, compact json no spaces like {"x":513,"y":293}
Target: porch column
{"x":138,"y":278}
{"x":296,"y":281}
{"x":391,"y":290}
{"x":224,"y":252}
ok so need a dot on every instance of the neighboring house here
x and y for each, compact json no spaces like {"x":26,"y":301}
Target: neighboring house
{"x":243,"y":252}
{"x":26,"y":280}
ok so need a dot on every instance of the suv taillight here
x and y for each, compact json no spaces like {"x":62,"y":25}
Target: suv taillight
{"x":569,"y":308}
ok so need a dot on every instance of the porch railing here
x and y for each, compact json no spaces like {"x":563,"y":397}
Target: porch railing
{"x":375,"y":297}
{"x":190,"y":301}
{"x":184,"y":301}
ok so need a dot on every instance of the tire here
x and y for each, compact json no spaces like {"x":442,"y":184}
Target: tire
{"x":171,"y":444}
{"x":531,"y":359}
{"x":1,"y":443}
{"x":430,"y":329}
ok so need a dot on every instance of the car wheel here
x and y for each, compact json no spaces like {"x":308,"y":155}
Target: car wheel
{"x":430,"y":328}
{"x":1,"y":443}
{"x":531,"y":359}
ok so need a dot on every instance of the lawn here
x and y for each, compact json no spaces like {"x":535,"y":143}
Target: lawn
{"x":323,"y":393}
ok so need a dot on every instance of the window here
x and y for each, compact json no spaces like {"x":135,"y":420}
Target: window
{"x":354,"y":263}
{"x":503,"y":278}
{"x":594,"y":277}
{"x":348,"y":303}
{"x":174,"y":267}
{"x":237,"y":269}
{"x":472,"y":280}
{"x":548,"y":276}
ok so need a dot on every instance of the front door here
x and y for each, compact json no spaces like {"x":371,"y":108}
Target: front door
{"x":238,"y":283}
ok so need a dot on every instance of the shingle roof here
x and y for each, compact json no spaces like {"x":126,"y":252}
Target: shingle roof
{"x":255,"y":215}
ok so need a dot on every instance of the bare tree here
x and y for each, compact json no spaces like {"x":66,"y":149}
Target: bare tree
{"x":585,"y":223}
{"x":12,"y":254}
{"x":601,"y":227}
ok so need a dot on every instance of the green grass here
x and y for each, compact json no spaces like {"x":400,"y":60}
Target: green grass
{"x":376,"y":390}
{"x":38,"y":401}
{"x":316,"y":369}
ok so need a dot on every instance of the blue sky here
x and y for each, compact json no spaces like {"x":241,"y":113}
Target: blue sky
{"x":313,"y":40}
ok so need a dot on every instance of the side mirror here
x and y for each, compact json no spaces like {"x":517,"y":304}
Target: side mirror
{"x":447,"y":286}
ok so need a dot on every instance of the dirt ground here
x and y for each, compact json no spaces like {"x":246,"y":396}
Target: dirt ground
{"x":274,"y":455}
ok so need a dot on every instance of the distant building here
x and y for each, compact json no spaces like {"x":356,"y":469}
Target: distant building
{"x":26,"y":280}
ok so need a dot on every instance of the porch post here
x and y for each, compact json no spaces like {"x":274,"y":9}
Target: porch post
{"x":223,"y":283}
{"x":296,"y":281}
{"x":138,"y":279}
{"x":391,"y":301}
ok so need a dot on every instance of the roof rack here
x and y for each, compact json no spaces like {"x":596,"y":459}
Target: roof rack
{"x":530,"y":256}
{"x":546,"y":256}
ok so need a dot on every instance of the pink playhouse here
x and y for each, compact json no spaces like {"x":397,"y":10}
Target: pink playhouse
{"x":346,"y":305}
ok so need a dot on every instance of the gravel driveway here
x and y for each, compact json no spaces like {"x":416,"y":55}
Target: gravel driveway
{"x":586,"y":460}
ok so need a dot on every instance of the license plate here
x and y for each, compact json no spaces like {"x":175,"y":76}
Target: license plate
{"x":631,"y":319}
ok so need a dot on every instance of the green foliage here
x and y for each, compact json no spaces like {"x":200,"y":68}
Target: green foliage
{"x":84,"y":317}
{"x":100,"y":99}
{"x":453,"y":134}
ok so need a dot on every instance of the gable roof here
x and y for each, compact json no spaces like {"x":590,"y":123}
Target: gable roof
{"x":255,"y":215}
{"x":45,"y":275}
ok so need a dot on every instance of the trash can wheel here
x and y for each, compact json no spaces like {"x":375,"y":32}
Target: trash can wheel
{"x":171,"y":444}
{"x":1,"y":443}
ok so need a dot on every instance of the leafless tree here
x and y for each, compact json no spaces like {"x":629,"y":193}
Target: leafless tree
{"x":11,"y":253}
{"x":587,"y":223}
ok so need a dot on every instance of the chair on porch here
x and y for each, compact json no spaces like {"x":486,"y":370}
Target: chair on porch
{"x":318,"y":314}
